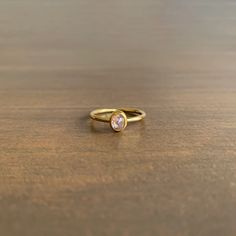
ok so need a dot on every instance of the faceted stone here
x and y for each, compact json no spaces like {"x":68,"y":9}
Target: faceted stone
{"x":118,"y":121}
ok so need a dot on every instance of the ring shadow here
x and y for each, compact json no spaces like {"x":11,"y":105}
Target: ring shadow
{"x":93,"y":126}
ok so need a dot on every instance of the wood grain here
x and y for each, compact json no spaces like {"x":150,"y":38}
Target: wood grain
{"x":174,"y":173}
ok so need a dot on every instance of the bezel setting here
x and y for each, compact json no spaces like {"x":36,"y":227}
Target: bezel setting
{"x":118,"y":121}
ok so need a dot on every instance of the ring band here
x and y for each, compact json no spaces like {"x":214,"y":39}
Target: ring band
{"x":118,"y":118}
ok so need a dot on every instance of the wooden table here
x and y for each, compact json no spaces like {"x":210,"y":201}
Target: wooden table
{"x":173,"y":174}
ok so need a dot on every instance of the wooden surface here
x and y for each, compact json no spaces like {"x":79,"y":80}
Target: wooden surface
{"x":174,"y":173}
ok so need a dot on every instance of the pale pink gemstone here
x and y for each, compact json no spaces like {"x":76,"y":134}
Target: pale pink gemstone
{"x":117,"y":122}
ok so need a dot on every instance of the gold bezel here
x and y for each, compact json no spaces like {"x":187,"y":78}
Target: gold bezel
{"x":119,"y":112}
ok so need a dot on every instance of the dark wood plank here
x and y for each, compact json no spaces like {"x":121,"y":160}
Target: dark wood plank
{"x":173,"y":174}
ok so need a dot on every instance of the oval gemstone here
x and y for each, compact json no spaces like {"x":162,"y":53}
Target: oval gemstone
{"x":118,"y":121}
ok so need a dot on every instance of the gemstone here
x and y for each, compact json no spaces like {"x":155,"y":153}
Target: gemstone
{"x":118,"y":121}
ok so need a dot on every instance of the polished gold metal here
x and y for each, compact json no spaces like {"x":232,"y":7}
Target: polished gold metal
{"x":126,"y":115}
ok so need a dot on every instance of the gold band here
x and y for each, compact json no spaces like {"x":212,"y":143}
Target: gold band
{"x":104,"y":115}
{"x":118,"y":118}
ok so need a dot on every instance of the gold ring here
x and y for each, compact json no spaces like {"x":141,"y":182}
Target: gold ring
{"x":118,"y":118}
